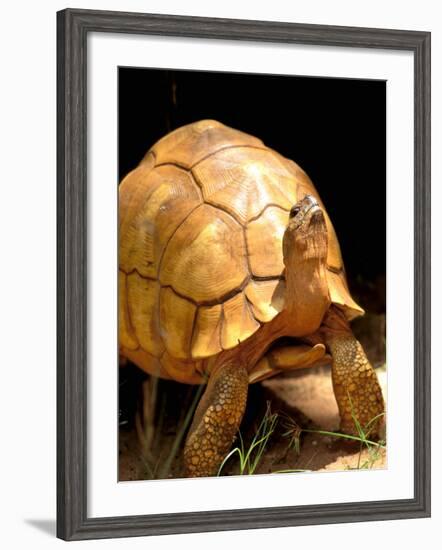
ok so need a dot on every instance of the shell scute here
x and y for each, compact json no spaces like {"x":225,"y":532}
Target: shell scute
{"x":266,"y":298}
{"x":207,"y":333}
{"x":206,"y":259}
{"x":264,"y":242}
{"x":239,"y":322}
{"x":126,"y":332}
{"x":143,"y":302}
{"x":189,"y":144}
{"x":177,"y":317}
{"x":245,"y":181}
{"x":158,"y":203}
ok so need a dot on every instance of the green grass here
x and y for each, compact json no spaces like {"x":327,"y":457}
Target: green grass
{"x":157,"y":466}
{"x":250,"y":458}
{"x":374,"y":448}
{"x":164,"y":470}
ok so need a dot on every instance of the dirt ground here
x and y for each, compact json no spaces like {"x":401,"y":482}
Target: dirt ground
{"x":305,"y":396}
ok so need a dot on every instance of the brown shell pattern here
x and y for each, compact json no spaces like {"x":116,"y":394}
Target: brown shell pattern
{"x":201,"y":225}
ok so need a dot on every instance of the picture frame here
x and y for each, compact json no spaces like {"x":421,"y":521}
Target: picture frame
{"x":73,"y":28}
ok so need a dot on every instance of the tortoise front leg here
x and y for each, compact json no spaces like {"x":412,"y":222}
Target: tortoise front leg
{"x":216,"y":420}
{"x":355,"y":382}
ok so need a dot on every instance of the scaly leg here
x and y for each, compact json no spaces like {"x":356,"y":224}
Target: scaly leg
{"x":355,"y":382}
{"x":216,"y":421}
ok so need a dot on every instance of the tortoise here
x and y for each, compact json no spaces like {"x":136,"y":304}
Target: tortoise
{"x":230,"y":271}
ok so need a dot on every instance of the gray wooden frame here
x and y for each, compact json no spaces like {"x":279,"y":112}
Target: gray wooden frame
{"x":73,"y":27}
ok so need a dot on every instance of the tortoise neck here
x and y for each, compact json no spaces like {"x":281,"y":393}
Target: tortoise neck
{"x":305,"y":280}
{"x":307,"y":297}
{"x":305,"y":259}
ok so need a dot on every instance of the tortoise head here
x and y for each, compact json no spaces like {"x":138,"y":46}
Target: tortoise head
{"x":306,"y":235}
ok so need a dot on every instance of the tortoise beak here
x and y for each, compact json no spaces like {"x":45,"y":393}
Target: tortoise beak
{"x":310,"y":199}
{"x":316,"y":214}
{"x":313,"y":211}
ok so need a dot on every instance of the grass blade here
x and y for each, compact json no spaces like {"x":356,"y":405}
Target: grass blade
{"x":180,"y":434}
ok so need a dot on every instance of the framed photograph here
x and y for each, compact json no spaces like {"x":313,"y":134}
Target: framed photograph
{"x":243,"y":272}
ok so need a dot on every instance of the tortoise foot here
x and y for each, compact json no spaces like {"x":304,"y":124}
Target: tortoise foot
{"x":355,"y":383}
{"x":216,"y":421}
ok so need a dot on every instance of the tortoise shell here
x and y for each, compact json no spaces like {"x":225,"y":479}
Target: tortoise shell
{"x":201,"y":222}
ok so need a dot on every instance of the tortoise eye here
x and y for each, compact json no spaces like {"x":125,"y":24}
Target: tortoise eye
{"x":294,"y":211}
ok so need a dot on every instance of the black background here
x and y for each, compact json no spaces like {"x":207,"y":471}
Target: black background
{"x":335,"y":129}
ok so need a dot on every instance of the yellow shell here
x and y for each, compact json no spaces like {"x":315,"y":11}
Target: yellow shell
{"x":200,"y":246}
